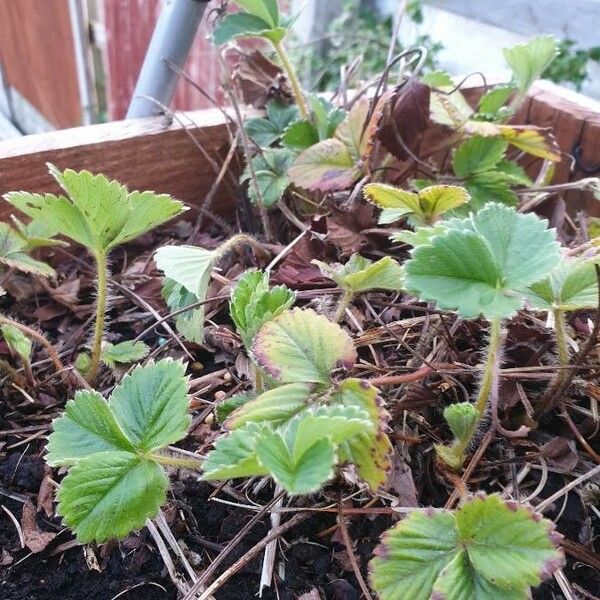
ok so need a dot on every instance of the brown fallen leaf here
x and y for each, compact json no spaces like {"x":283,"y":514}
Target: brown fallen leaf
{"x":35,"y":539}
{"x":45,"y":499}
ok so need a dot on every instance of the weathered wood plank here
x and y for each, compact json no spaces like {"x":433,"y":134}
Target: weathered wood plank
{"x":141,"y":153}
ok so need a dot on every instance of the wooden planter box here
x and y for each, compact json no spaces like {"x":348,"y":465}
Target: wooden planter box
{"x":153,"y":154}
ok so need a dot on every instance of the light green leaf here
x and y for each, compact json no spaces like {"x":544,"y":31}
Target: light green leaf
{"x":124,"y":352}
{"x":190,"y":266}
{"x":274,"y":406}
{"x":151,"y":405}
{"x":246,"y":25}
{"x":449,"y":107}
{"x":461,"y":418}
{"x":17,"y":341}
{"x":486,"y":550}
{"x":479,"y":264}
{"x":413,"y":555}
{"x":572,"y":285}
{"x":424,"y":207}
{"x":418,"y":237}
{"x":13,"y":252}
{"x":234,"y":455}
{"x":302,"y":346}
{"x":507,"y":545}
{"x":437,"y":79}
{"x":110,"y":494}
{"x":87,"y":427}
{"x":360,"y":274}
{"x":528,"y":61}
{"x":189,"y":324}
{"x":98,"y":213}
{"x":296,"y":473}
{"x":478,"y":155}
{"x":493,"y":101}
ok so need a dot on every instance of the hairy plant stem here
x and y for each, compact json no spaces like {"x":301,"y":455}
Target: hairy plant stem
{"x":343,"y":305}
{"x":562,"y":344}
{"x":101,"y":303}
{"x":172,"y":461}
{"x":295,"y":83}
{"x":12,"y":373}
{"x":242,"y":238}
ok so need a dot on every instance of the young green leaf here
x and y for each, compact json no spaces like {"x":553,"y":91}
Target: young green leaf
{"x":14,"y":252}
{"x":253,"y":303}
{"x":492,"y":186}
{"x":124,"y":352}
{"x":97,"y":213}
{"x":190,"y":324}
{"x":487,"y":549}
{"x":461,"y":418}
{"x":492,"y":103}
{"x":478,"y":155}
{"x":572,"y":285}
{"x":422,"y":208}
{"x":360,"y":274}
{"x":479,"y":264}
{"x":115,"y":480}
{"x":17,"y":341}
{"x":528,"y":61}
{"x":418,"y":237}
{"x":264,"y":132}
{"x":260,"y":19}
{"x":302,"y":346}
{"x":271,"y":171}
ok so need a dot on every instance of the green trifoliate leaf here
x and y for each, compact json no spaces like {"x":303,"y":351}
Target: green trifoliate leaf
{"x":480,"y":263}
{"x":271,"y":171}
{"x":13,"y":252}
{"x":274,"y":406}
{"x":360,"y":274}
{"x":124,"y":352}
{"x":97,"y":213}
{"x":486,"y":550}
{"x":234,"y":455}
{"x":110,"y":494}
{"x":264,"y":132}
{"x":115,"y":482}
{"x":369,"y":450}
{"x":572,"y":285}
{"x":253,"y":303}
{"x":528,"y":61}
{"x":17,"y":341}
{"x":302,"y":346}
{"x":296,"y":473}
{"x":422,"y":208}
{"x":478,"y":155}
{"x":246,"y":25}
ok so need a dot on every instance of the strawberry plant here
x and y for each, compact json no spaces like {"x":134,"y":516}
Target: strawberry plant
{"x":486,"y":549}
{"x":482,"y":265}
{"x":100,"y":215}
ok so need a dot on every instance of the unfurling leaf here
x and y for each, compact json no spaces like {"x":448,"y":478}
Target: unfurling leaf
{"x":17,"y":341}
{"x":461,"y":419}
{"x":14,"y":248}
{"x":190,"y":324}
{"x":360,"y":274}
{"x":480,"y":264}
{"x":302,"y":346}
{"x":487,"y":549}
{"x":253,"y":303}
{"x":124,"y":352}
{"x":115,"y":480}
{"x":528,"y":61}
{"x":270,"y":168}
{"x":422,"y":208}
{"x":572,"y":285}
{"x":97,"y":213}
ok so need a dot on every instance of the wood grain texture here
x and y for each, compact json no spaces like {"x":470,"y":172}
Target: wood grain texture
{"x":142,"y":153}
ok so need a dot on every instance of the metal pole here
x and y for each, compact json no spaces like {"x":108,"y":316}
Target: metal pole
{"x":172,"y":39}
